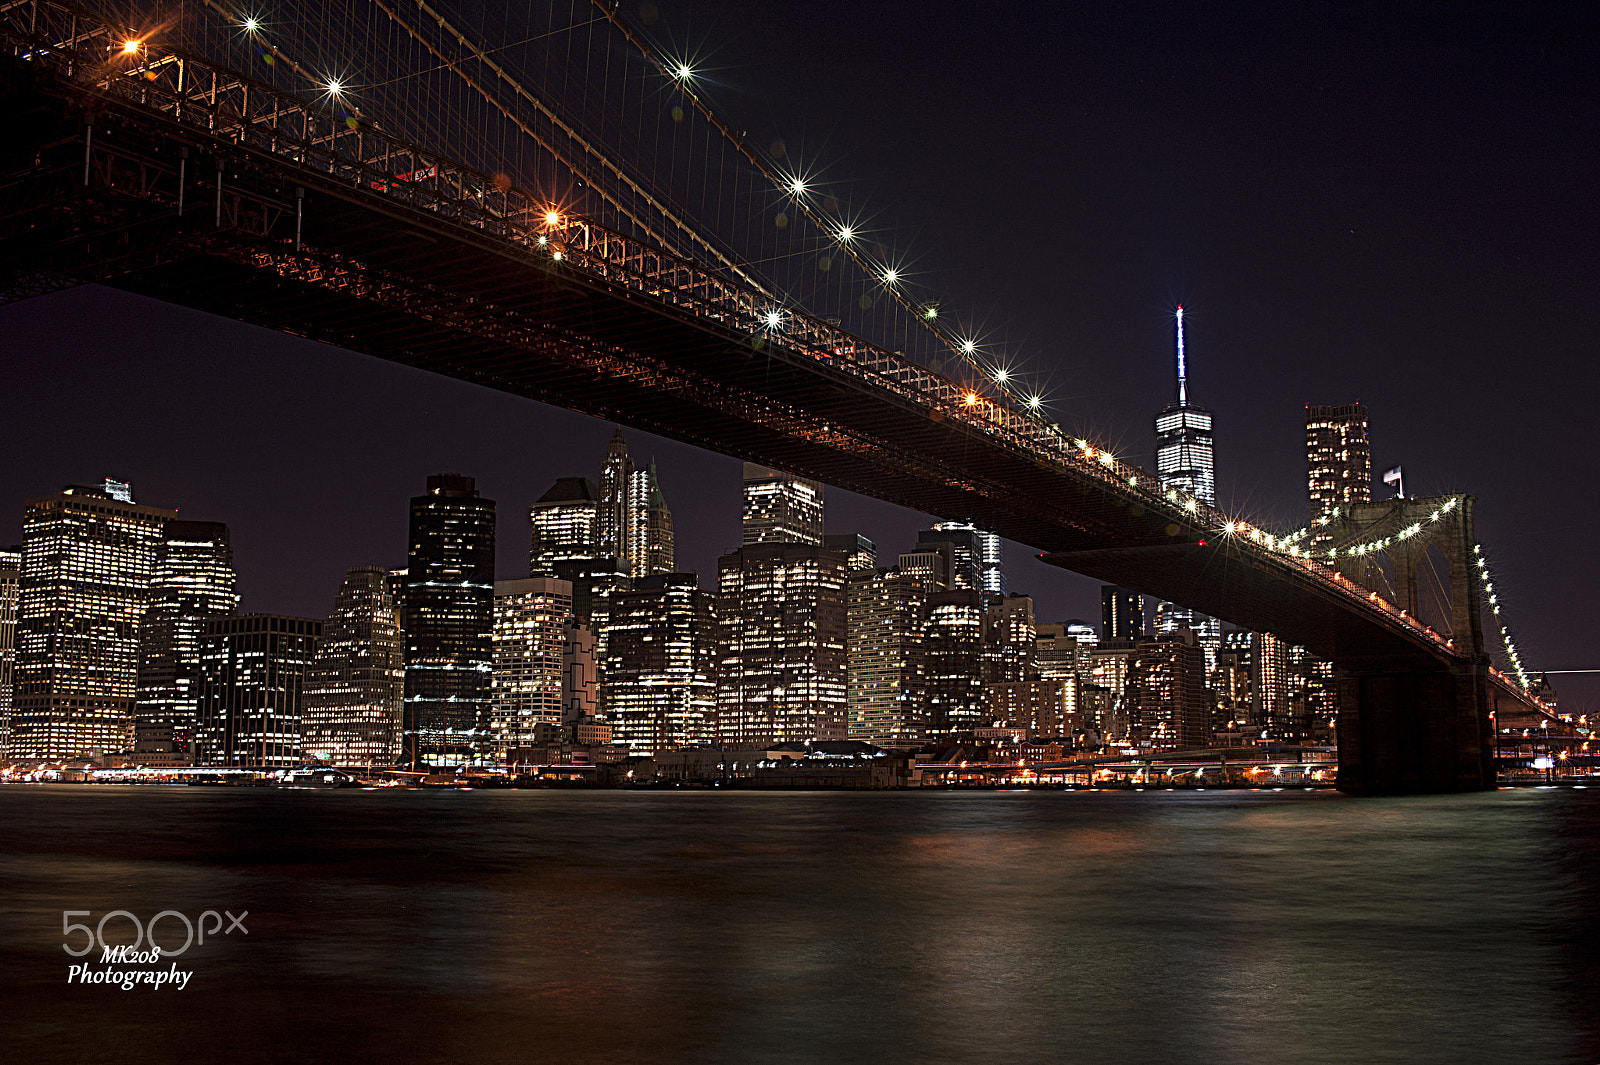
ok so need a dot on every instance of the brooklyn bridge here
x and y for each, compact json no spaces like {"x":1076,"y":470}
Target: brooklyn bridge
{"x":191,"y":154}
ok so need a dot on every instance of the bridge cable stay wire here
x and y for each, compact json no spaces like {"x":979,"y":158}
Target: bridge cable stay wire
{"x":517,"y":88}
{"x":871,"y":269}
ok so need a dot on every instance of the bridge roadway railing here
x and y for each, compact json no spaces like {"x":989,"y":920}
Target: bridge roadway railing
{"x":228,"y":107}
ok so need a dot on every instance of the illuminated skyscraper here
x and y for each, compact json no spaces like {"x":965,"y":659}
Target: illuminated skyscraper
{"x":87,"y":557}
{"x":884,"y":657}
{"x":10,"y":574}
{"x":780,"y":508}
{"x":449,"y":623}
{"x":564,"y":523}
{"x":1185,"y":461}
{"x":652,"y":548}
{"x":781,"y":670}
{"x":1168,"y":703}
{"x":354,"y":692}
{"x":530,"y":634}
{"x":1338,"y":463}
{"x":860,"y":553}
{"x":611,"y":515}
{"x":252,"y":675}
{"x":930,"y":564}
{"x":965,"y":555}
{"x":193,"y":583}
{"x":1013,"y":653}
{"x":657,"y":651}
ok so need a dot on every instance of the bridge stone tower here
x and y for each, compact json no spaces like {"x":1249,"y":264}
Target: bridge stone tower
{"x":1415,"y":724}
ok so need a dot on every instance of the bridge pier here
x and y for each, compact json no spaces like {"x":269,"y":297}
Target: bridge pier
{"x":1415,"y":730}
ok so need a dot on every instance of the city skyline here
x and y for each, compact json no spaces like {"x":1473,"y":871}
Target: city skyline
{"x":1369,"y":290}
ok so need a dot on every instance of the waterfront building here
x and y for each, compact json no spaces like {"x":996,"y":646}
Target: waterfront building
{"x":884,"y":658}
{"x":580,"y":677}
{"x":955,"y":632}
{"x":1045,"y":707}
{"x":192,"y":583}
{"x":1121,"y":613}
{"x":657,"y":648}
{"x":781,"y":664}
{"x":353,"y":696}
{"x":449,"y":623}
{"x":84,"y":584}
{"x":780,"y":508}
{"x":1338,"y":463}
{"x":531,"y":620}
{"x":564,"y":525}
{"x":10,"y":578}
{"x":252,"y":676}
{"x":1109,"y":664}
{"x":1060,"y":652}
{"x":652,"y":548}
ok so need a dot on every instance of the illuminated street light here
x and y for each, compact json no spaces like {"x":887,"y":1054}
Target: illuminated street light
{"x":683,"y":73}
{"x":774,"y":319}
{"x":334,"y":88}
{"x":972,"y":399}
{"x":846,"y":233}
{"x":251,"y":25}
{"x":552,"y":218}
{"x":130,"y":46}
{"x":891,"y":276}
{"x":797,"y":186}
{"x":1002,"y":375}
{"x":968,"y":347}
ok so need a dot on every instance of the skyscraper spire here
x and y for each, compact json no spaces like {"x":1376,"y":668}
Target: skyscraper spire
{"x":1183,"y":372}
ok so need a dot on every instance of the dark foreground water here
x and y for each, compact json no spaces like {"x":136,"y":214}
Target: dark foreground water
{"x":836,"y":927}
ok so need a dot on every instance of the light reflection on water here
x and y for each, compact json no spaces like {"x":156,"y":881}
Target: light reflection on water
{"x":750,"y":927}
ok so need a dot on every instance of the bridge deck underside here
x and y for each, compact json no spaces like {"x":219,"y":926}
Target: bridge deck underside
{"x":403,"y":285}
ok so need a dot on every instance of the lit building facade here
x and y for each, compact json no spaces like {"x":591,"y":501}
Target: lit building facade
{"x":564,"y":525}
{"x":780,"y":508}
{"x":860,"y":553}
{"x":986,"y":551}
{"x":449,"y":623}
{"x":193,"y":582}
{"x":10,"y":581}
{"x":884,"y":658}
{"x":657,"y":648}
{"x":965,"y":555}
{"x":531,"y":619}
{"x":930,"y":565}
{"x":1169,"y":705}
{"x":1121,"y":613}
{"x":1060,"y":652}
{"x":1185,"y":460}
{"x":252,"y":676}
{"x":955,"y":632}
{"x":652,"y":547}
{"x":1338,"y":463}
{"x":611,"y":515}
{"x":87,"y":558}
{"x":1046,"y":708}
{"x":1012,"y":655}
{"x":353,"y":697}
{"x":580,"y":677}
{"x":781,"y":664}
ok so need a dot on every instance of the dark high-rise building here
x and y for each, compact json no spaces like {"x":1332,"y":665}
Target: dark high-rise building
{"x":564,"y":523}
{"x":1012,"y":654}
{"x":884,"y":657}
{"x":781,"y":672}
{"x":87,"y":557}
{"x":252,"y":672}
{"x":965,"y":555}
{"x":449,"y":623}
{"x":652,"y":547}
{"x":955,"y":637}
{"x":657,"y":651}
{"x":193,"y":583}
{"x":1121,"y":613}
{"x":354,"y":691}
{"x":780,"y":508}
{"x":591,"y":580}
{"x":860,"y":553}
{"x":1338,"y":463}
{"x":611,"y":515}
{"x":10,"y":576}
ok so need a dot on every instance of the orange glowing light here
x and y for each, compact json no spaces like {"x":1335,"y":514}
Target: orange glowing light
{"x":552,"y":218}
{"x":129,"y":47}
{"x":972,"y":399}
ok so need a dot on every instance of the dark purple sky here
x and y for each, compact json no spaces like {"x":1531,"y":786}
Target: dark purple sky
{"x":1393,"y":207}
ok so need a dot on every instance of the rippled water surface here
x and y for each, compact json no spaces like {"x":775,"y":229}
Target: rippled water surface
{"x":554,"y":926}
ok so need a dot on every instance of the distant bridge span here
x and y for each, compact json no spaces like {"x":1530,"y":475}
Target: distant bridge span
{"x":183,"y":181}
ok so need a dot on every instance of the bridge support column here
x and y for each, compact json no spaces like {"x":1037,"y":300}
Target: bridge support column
{"x":1415,"y":730}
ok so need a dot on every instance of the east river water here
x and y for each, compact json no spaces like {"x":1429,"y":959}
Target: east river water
{"x":686,"y":926}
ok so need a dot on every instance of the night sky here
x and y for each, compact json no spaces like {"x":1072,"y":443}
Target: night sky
{"x":1395,"y":208}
